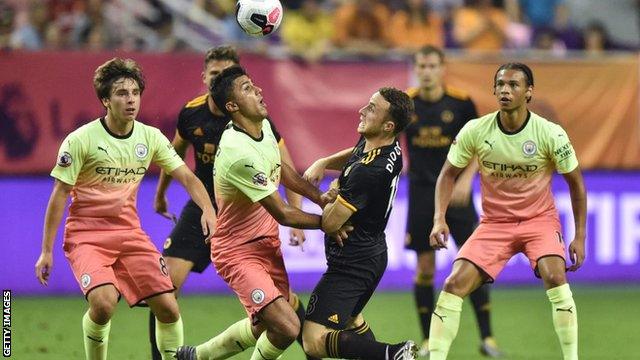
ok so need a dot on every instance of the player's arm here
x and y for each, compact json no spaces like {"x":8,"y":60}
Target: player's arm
{"x":296,"y":236}
{"x":315,"y":172}
{"x":55,"y":211}
{"x":288,"y":215}
{"x":199,"y":194}
{"x":160,"y":203}
{"x":579,"y":205}
{"x":462,"y":187}
{"x":444,"y":188}
{"x":335,"y":216}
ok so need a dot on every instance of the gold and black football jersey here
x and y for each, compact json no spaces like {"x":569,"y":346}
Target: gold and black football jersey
{"x":198,"y":125}
{"x":368,"y":185}
{"x":432,"y":130}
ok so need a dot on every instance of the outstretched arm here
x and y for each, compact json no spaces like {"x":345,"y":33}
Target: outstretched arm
{"x":315,"y":172}
{"x":296,"y":236}
{"x":579,"y":205}
{"x":288,"y":215}
{"x":444,"y":187}
{"x":55,"y":210}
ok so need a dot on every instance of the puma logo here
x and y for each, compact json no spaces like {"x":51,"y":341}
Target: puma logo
{"x":490,"y":144}
{"x":94,"y":339}
{"x":103,"y":149}
{"x":439,"y":317}
{"x":569,"y":309}
{"x":250,"y":166}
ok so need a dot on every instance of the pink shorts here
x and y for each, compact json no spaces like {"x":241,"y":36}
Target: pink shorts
{"x":127,"y":259}
{"x":492,"y":244}
{"x":256,"y":273}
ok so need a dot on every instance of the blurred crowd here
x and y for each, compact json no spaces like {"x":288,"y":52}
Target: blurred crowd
{"x":311,"y":29}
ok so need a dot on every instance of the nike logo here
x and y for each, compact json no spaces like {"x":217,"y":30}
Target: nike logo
{"x":94,"y":339}
{"x":490,"y":144}
{"x":569,"y":309}
{"x":439,"y":317}
{"x":103,"y":149}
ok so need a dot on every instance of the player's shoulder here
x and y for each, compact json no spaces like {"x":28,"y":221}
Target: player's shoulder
{"x":383,"y":160}
{"x":196,"y":102}
{"x":457,"y":93}
{"x":413,"y":92}
{"x":545,"y":126}
{"x":90,"y":130}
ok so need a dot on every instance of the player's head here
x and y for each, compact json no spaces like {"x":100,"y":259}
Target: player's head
{"x":217,"y":59}
{"x":234,"y":92}
{"x":428,"y":65}
{"x":513,"y":85}
{"x":119,"y":83}
{"x":387,"y":113}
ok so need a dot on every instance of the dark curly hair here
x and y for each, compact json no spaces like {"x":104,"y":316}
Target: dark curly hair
{"x":114,"y":69}
{"x":222,"y":86}
{"x":400,"y":109}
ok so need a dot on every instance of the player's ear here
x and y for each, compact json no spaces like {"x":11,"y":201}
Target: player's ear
{"x":529,"y":93}
{"x":231,"y":106}
{"x":389,"y":126}
{"x":105,"y":102}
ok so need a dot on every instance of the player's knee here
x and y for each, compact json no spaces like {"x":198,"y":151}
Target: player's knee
{"x":291,"y":329}
{"x":312,"y":344}
{"x":103,"y":307}
{"x":168,"y":313}
{"x":454,"y":285}
{"x":554,"y":279}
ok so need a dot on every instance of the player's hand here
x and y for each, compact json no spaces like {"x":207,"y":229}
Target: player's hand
{"x":461,"y":194}
{"x":297,"y":238}
{"x":328,"y":197}
{"x":341,"y":235}
{"x":439,"y":235}
{"x":161,"y":206}
{"x":315,"y":172}
{"x":208,"y":223}
{"x":576,"y":254}
{"x":43,"y":267}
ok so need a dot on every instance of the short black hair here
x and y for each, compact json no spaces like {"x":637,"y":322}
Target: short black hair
{"x":114,"y":69}
{"x":400,"y":107}
{"x":222,"y":86}
{"x":523,"y":68}
{"x":223,"y":52}
{"x":430,"y":49}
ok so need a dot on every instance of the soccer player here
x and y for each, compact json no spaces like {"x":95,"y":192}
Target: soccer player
{"x":334,"y":326}
{"x":245,"y":246}
{"x":101,"y":165}
{"x":441,"y":111}
{"x":517,"y":151}
{"x":201,"y":124}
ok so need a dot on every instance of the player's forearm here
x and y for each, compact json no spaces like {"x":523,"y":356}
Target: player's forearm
{"x":163,"y":183}
{"x":294,"y":199}
{"x":444,"y":188}
{"x":295,"y":183}
{"x":579,"y":206}
{"x":293,"y":217}
{"x":52,"y":218}
{"x":198,"y":193}
{"x":337,"y":160}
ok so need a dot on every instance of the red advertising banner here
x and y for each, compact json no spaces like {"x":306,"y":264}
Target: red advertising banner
{"x":44,"y":96}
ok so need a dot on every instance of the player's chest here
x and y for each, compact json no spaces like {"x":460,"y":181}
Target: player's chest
{"x":434,"y":128}
{"x":118,"y":161}
{"x":503,"y":156}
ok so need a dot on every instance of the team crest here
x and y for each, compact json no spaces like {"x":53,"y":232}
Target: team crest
{"x":209,"y":148}
{"x":167,"y":243}
{"x":85,"y":280}
{"x":65,"y":159}
{"x":257,"y":296}
{"x":198,"y":132}
{"x":141,"y":151}
{"x":446,"y":116}
{"x":529,"y":148}
{"x":260,"y":179}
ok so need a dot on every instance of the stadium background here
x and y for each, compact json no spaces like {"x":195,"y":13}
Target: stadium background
{"x":50,"y":49}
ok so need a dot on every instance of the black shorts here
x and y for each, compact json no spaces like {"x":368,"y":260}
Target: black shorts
{"x":462,"y":221}
{"x":186,"y":240}
{"x":344,"y":290}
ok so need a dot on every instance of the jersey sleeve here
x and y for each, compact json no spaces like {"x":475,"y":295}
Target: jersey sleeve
{"x":562,"y":153}
{"x":70,"y":160}
{"x":181,"y":127}
{"x":462,"y":148}
{"x":470,"y":111}
{"x":164,"y":155}
{"x":356,"y":190}
{"x":275,"y":131}
{"x":249,"y":176}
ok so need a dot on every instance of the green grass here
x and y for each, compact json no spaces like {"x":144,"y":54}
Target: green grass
{"x":50,"y":328}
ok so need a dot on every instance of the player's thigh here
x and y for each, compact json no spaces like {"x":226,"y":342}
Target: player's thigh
{"x":103,"y":299}
{"x":164,"y":307}
{"x":179,"y":269}
{"x":426,"y":264}
{"x":370,"y":271}
{"x":186,"y":240}
{"x":314,"y":338}
{"x":279,"y":317}
{"x":490,"y":247}
{"x":141,"y":271}
{"x":465,"y":277}
{"x":542,"y":238}
{"x":419,"y":218}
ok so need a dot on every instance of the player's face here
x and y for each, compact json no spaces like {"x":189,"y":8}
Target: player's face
{"x":247,"y":99}
{"x":213,"y":68}
{"x":429,"y":70}
{"x":511,"y":89}
{"x":374,"y":116}
{"x":123,"y":103}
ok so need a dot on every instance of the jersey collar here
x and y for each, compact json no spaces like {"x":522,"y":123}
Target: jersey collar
{"x":505,"y":131}
{"x":126,"y":136}
{"x":237,"y":128}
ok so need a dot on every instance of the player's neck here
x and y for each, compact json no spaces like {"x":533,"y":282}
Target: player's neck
{"x":253,"y":128}
{"x":512,"y":120}
{"x":377,"y":142}
{"x":212,"y":107}
{"x":117,"y":126}
{"x":432,"y":94}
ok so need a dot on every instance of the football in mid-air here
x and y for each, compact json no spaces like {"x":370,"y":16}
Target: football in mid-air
{"x":259,"y":17}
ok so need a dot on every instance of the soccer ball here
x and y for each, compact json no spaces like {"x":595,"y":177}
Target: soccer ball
{"x":259,"y":17}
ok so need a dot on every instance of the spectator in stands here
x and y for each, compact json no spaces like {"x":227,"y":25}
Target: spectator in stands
{"x":547,"y":39}
{"x":415,"y":26}
{"x":307,"y":32}
{"x":7,"y":14}
{"x":360,"y":27}
{"x":29,"y":26}
{"x":596,"y":40}
{"x":480,"y":26}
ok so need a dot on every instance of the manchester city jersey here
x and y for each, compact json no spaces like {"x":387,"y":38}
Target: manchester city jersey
{"x":515,"y":168}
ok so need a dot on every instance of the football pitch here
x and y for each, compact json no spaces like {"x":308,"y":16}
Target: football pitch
{"x":609,"y":319}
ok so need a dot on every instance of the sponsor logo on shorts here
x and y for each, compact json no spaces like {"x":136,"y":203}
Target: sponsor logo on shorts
{"x":529,"y":148}
{"x":141,"y":151}
{"x":167,"y":243}
{"x":85,"y":280}
{"x":334,"y":319}
{"x":65,"y":159}
{"x":260,"y":179}
{"x":257,"y":296}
